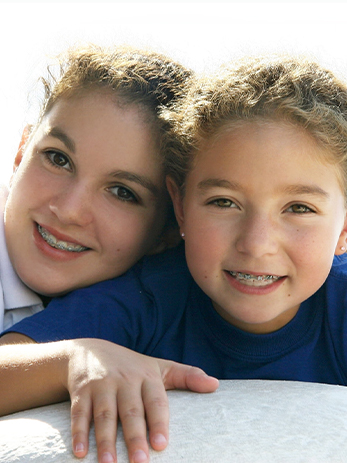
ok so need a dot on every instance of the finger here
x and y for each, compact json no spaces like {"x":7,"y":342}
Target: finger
{"x":105,"y":425}
{"x":198,"y":381}
{"x":156,"y":405}
{"x":132,"y":416}
{"x":81,"y":414}
{"x":179,"y":376}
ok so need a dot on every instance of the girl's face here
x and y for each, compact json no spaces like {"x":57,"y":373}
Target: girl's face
{"x":87,"y":198}
{"x":262,"y":216}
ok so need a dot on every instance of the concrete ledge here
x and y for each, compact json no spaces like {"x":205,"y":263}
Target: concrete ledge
{"x":243,"y":422}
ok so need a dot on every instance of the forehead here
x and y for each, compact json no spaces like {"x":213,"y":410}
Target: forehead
{"x":263,"y":136}
{"x":94,"y":125}
{"x":88,"y":102}
{"x":99,"y":112}
{"x":263,"y":147}
{"x":259,"y":129}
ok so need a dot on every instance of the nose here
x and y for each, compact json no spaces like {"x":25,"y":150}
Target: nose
{"x":258,"y":236}
{"x":73,"y":205}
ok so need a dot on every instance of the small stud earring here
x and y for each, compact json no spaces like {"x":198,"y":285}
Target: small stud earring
{"x":343,"y":248}
{"x":183,"y":235}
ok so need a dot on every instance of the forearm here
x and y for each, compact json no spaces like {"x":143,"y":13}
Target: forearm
{"x":32,"y":375}
{"x":105,"y":381}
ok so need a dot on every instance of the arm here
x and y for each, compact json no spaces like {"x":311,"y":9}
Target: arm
{"x":29,"y":374}
{"x":104,"y":381}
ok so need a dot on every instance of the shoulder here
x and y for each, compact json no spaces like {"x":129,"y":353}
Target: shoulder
{"x":151,"y":271}
{"x":167,"y":273}
{"x":140,"y":286}
{"x":335,"y":292}
{"x":137,"y":298}
{"x":338,"y":270}
{"x":331,"y":297}
{"x":336,"y":283}
{"x":169,"y":262}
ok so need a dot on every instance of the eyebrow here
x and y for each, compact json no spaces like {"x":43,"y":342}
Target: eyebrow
{"x":58,"y":133}
{"x":217,"y":182}
{"x":145,"y":182}
{"x":307,"y":190}
{"x":315,"y":190}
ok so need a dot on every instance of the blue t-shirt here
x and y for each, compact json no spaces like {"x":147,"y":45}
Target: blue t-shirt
{"x":157,"y":309}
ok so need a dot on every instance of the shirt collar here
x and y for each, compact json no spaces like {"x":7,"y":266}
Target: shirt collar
{"x":15,"y":293}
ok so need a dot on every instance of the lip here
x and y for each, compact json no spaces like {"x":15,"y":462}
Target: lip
{"x":54,"y":253}
{"x":254,"y":290}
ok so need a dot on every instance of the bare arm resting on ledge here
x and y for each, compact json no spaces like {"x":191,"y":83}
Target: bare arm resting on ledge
{"x":101,"y":389}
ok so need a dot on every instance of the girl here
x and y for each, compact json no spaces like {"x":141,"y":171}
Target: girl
{"x":87,"y":198}
{"x":258,"y":180}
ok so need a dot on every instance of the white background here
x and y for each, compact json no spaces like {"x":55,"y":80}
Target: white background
{"x":200,"y":35}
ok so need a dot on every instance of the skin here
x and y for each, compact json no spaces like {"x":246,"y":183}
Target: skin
{"x":260,"y":201}
{"x":90,"y":177}
{"x":104,"y":381}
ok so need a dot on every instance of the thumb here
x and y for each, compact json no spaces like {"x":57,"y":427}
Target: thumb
{"x":179,"y":376}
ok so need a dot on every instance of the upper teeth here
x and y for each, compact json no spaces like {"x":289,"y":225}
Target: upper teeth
{"x":248,"y":276}
{"x":59,"y":244}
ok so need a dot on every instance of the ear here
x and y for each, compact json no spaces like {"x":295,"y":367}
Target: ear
{"x":20,"y":151}
{"x":341,"y":246}
{"x":177,"y":200}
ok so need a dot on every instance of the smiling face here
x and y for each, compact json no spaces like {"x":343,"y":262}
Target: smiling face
{"x":262,"y":216}
{"x":87,"y":198}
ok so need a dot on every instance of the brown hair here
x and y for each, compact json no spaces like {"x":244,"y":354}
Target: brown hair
{"x":293,"y":90}
{"x":145,"y":78}
{"x":135,"y":76}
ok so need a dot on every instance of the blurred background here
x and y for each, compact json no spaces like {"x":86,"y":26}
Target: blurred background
{"x":200,"y":35}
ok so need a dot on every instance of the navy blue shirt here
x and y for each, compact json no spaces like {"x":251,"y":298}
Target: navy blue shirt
{"x":157,"y":309}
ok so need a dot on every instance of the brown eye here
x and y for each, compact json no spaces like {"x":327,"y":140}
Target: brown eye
{"x":124,"y":194}
{"x":299,"y":209}
{"x":58,"y":159}
{"x":222,"y":202}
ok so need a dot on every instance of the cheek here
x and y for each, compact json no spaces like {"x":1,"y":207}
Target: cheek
{"x":318,"y":241}
{"x":206,"y":234}
{"x":29,"y":187}
{"x":205,"y":250}
{"x":127,"y":232}
{"x":313,"y":253}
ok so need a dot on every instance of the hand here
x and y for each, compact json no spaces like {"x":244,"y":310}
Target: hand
{"x":106,"y":381}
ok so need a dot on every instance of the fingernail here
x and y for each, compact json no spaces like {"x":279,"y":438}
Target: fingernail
{"x":79,"y":448}
{"x":139,"y":456}
{"x":107,"y":458}
{"x":159,"y":439}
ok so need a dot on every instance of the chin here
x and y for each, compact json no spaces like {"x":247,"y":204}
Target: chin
{"x":49,"y":291}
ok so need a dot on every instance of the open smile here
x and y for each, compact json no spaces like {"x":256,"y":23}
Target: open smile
{"x":59,"y":244}
{"x":254,"y":280}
